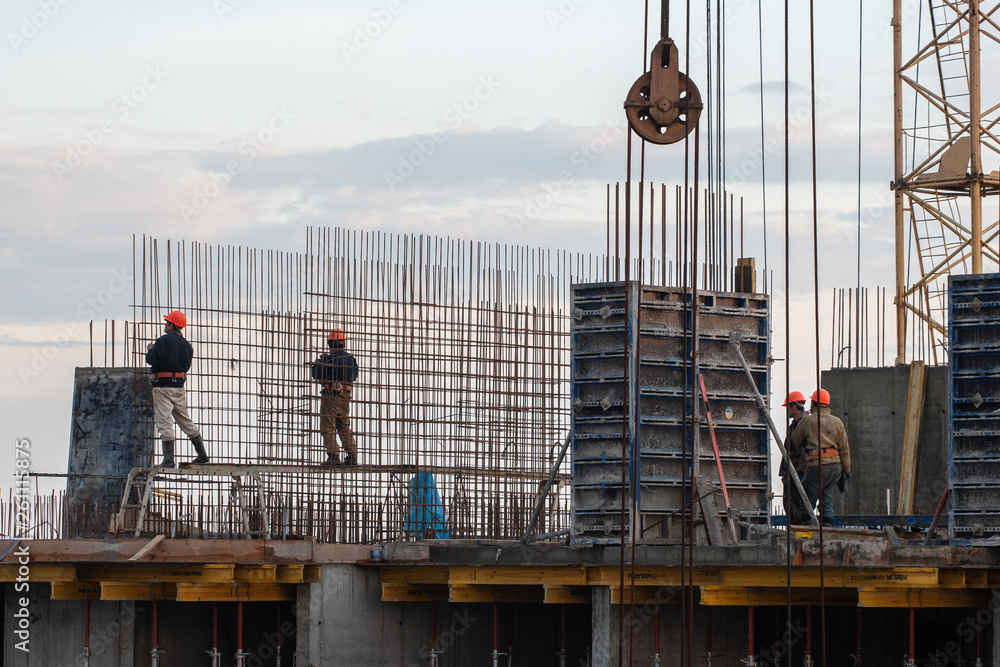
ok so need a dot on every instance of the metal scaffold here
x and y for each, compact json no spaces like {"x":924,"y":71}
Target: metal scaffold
{"x":946,"y":192}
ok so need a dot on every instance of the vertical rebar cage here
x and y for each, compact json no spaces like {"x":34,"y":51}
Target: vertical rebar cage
{"x":974,"y":404}
{"x":463,"y":349}
{"x":633,"y":381}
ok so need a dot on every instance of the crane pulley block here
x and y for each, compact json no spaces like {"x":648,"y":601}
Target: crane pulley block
{"x":663,"y":105}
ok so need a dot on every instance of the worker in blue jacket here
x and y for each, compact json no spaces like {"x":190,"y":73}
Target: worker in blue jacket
{"x":336,"y":372}
{"x":170,"y":357}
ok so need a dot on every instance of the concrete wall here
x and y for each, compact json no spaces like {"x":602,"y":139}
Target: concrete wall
{"x":872,"y":404}
{"x":111,"y":406}
{"x":57,"y":631}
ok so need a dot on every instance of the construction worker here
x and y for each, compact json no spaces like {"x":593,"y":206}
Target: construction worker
{"x":823,"y":440}
{"x":170,"y":357}
{"x":336,"y":372}
{"x":795,"y":410}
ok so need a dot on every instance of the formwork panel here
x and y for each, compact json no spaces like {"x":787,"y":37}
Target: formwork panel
{"x":631,"y":387}
{"x":974,"y":404}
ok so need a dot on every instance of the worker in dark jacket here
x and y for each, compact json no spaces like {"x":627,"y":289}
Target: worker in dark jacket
{"x":336,"y":372}
{"x":170,"y":357}
{"x":795,"y":410}
{"x":823,"y":439}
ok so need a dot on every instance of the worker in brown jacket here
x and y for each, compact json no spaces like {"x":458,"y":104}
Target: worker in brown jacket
{"x":823,"y":440}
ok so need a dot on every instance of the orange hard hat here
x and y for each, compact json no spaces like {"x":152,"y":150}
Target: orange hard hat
{"x":794,"y":397}
{"x":822,"y":397}
{"x":177,"y":318}
{"x":337,"y":334}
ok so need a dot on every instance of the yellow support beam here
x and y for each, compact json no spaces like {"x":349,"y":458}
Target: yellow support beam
{"x":121,"y":590}
{"x":641,"y":595}
{"x":519,"y":575}
{"x":236,"y":592}
{"x":567,"y":594}
{"x":414,"y":593}
{"x":311,"y":574}
{"x":75,"y":590}
{"x":255,"y":574}
{"x":771,"y":577}
{"x":413,"y":574}
{"x":923,"y":597}
{"x":10,"y":572}
{"x":719,"y":596}
{"x":155,"y":572}
{"x":520,"y":593}
{"x":289,"y":574}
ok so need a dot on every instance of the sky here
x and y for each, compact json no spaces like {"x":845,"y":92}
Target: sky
{"x":245,"y":121}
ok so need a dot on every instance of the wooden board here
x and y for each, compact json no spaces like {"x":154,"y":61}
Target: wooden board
{"x":911,"y":435}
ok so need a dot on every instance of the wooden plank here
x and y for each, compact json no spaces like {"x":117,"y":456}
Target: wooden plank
{"x":725,"y":596}
{"x":641,"y":595}
{"x":710,"y":511}
{"x":10,"y":572}
{"x":567,"y":594}
{"x":153,"y":572}
{"x":911,"y":434}
{"x":413,"y":574}
{"x":75,"y":590}
{"x":149,"y":547}
{"x":931,"y":598}
{"x":414,"y":593}
{"x":125,"y":590}
{"x":891,"y":577}
{"x":976,"y":578}
{"x":289,"y":574}
{"x":513,"y":593}
{"x":255,"y":574}
{"x":236,"y":593}
{"x":519,"y":575}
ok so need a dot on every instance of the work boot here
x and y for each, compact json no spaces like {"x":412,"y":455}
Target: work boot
{"x":199,"y":446}
{"x":350,"y":460}
{"x":168,"y":454}
{"x":331,"y":461}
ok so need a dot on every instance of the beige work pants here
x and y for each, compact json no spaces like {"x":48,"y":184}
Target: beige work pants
{"x":334,"y":419}
{"x":171,"y":405}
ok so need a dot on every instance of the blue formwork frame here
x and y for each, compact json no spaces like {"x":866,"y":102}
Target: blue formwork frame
{"x":630,"y":428}
{"x":607,"y":364}
{"x":973,"y":420}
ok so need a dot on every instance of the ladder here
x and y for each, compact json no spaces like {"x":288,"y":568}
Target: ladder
{"x":139,"y":490}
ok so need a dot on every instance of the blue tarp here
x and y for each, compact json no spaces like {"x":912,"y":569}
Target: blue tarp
{"x":425,"y":513}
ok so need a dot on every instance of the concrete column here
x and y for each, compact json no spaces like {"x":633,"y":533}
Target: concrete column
{"x":996,"y":630}
{"x":309,"y":618}
{"x":601,"y":642}
{"x":126,"y":642}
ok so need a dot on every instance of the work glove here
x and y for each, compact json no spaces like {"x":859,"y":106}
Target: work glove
{"x":842,"y":482}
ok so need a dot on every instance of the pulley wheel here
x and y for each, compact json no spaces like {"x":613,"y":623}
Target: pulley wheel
{"x":637,"y":107}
